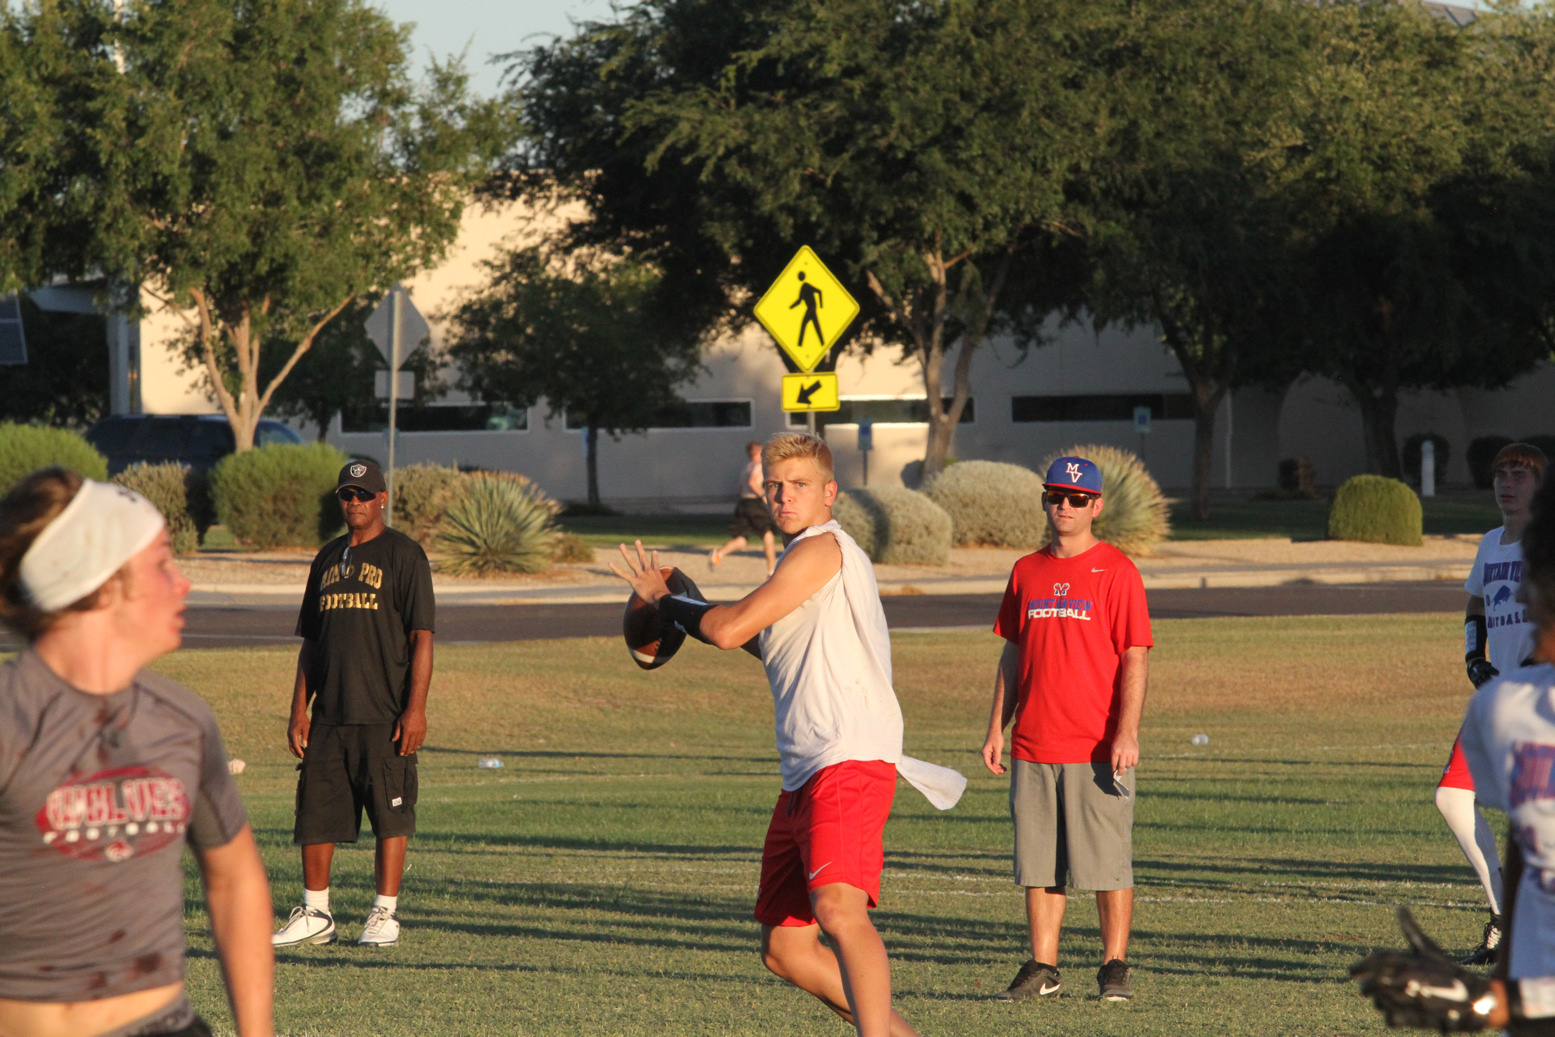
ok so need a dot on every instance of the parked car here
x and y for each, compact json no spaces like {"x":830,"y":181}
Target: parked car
{"x":197,"y":440}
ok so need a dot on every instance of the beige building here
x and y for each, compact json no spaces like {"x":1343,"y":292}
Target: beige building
{"x":1083,"y":387}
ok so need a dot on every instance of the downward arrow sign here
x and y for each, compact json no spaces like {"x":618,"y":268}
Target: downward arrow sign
{"x":808,"y":391}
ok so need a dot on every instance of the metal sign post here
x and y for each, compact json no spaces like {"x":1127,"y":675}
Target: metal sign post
{"x":866,"y":442}
{"x":395,"y":323}
{"x":1142,"y":426}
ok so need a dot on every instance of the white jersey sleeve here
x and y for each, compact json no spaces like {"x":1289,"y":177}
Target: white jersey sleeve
{"x":1509,"y":743}
{"x":1475,"y":584}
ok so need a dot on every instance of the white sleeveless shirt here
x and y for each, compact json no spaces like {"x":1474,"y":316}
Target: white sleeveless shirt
{"x":829,"y":664}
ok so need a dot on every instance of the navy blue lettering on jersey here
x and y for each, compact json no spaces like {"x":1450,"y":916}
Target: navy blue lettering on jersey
{"x":1533,"y":773}
{"x":1060,"y":606}
{"x":1511,"y":572}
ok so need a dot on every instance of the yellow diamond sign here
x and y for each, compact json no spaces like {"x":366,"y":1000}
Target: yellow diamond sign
{"x":806,"y":310}
{"x":805,"y":392}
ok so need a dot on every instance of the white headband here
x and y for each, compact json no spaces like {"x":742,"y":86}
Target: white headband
{"x":103,"y":527}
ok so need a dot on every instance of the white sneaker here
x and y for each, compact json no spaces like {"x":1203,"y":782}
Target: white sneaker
{"x":382,"y":929}
{"x":306,"y":925}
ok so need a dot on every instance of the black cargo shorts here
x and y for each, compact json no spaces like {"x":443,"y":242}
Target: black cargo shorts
{"x":348,"y":769}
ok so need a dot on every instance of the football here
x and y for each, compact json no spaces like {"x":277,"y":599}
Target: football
{"x":650,"y":647}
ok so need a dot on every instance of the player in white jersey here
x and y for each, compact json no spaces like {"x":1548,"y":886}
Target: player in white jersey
{"x":820,"y":632}
{"x":1498,"y":637}
{"x":1508,"y":740}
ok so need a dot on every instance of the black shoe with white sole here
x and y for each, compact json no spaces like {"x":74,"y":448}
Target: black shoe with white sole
{"x":1033,"y":980}
{"x":1116,"y":980}
{"x":1485,"y":953}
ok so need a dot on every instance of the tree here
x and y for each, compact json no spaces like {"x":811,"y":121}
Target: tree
{"x":576,"y":332}
{"x":1406,"y":128}
{"x":922,"y":148}
{"x":258,"y":166}
{"x":1186,"y":235}
{"x":65,"y":379}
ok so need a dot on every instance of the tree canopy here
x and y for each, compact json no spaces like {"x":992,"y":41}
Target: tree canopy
{"x":256,"y":165}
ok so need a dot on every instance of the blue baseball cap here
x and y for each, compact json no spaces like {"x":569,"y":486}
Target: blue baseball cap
{"x":1073,"y":473}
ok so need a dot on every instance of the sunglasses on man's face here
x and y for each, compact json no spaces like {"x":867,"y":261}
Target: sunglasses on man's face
{"x":350,"y":493}
{"x":1076,"y":500}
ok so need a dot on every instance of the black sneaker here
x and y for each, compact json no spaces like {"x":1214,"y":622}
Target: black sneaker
{"x":1485,"y":953}
{"x":1116,"y":980}
{"x":1033,"y":980}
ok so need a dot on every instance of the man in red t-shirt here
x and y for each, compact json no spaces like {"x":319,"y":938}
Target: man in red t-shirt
{"x":1072,"y":676}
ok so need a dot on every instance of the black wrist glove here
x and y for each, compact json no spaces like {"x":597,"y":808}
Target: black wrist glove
{"x":1422,"y":987}
{"x":1475,"y":639}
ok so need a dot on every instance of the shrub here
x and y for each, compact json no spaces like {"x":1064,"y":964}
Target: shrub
{"x":422,"y":494}
{"x":1134,"y":518}
{"x":166,"y":485}
{"x":1481,"y":455}
{"x":501,"y":523}
{"x":1412,"y":452}
{"x":912,"y":473}
{"x":895,"y":525}
{"x":1545,"y":443}
{"x":991,"y":503}
{"x":1377,"y":510}
{"x":281,"y":494}
{"x":26,"y":448}
{"x":569,"y":547}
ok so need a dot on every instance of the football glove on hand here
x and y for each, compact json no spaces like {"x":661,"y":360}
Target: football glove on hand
{"x":1481,"y":671}
{"x":1422,"y":987}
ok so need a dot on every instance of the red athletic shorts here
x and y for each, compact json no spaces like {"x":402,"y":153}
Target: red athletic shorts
{"x":1456,"y":774}
{"x":830,"y":830}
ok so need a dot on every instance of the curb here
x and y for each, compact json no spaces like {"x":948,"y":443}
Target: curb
{"x":288,"y":595}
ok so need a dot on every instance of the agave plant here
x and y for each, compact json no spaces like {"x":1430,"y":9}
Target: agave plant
{"x":499,"y":524}
{"x":1134,"y":519}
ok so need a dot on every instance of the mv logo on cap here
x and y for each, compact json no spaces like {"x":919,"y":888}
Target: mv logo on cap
{"x":1072,"y":468}
{"x":358,"y":470}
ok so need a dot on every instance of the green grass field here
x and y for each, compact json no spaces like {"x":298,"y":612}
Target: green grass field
{"x":602,"y":882}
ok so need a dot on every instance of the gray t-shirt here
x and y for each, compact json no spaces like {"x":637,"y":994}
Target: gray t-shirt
{"x":97,"y":795}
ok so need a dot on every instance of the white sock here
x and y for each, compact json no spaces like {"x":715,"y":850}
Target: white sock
{"x":318,"y":899}
{"x":1468,"y":826}
{"x":392,"y":903}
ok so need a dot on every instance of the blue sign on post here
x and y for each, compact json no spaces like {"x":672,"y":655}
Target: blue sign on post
{"x":866,"y":433}
{"x":1142,"y":420}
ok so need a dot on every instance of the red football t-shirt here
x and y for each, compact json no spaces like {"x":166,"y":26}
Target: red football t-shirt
{"x":1072,"y":619}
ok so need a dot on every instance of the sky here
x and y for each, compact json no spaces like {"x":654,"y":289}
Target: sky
{"x":488,"y":27}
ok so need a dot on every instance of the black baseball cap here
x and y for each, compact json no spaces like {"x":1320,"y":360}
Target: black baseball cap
{"x":362,"y":474}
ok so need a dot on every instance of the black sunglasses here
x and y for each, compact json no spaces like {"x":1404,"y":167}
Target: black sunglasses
{"x":1076,"y":500}
{"x":350,"y":493}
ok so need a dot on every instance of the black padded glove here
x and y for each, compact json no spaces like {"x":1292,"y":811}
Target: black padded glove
{"x":1422,"y":987}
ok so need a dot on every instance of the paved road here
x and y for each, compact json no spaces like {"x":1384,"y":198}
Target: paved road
{"x":225,"y":627}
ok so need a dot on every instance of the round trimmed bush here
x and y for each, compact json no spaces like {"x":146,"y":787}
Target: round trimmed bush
{"x":26,"y":448}
{"x":1134,"y":518}
{"x":501,"y":523}
{"x":895,"y":525}
{"x":279,"y":495}
{"x":166,"y":485}
{"x":991,"y":503}
{"x":1413,"y":449}
{"x":1481,"y":455}
{"x":423,"y":493}
{"x":1376,"y":510}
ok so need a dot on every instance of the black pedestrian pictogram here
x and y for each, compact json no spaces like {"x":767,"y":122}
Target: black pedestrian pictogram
{"x":812,"y":299}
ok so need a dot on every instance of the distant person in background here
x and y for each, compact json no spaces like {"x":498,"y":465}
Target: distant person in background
{"x":750,"y":514}
{"x":366,"y":664}
{"x":106,"y":772}
{"x":1498,"y":638}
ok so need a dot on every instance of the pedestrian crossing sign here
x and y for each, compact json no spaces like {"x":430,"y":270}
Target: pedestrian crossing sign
{"x":806,"y":309}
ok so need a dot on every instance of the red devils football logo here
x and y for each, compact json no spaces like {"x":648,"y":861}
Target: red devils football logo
{"x":115,"y":814}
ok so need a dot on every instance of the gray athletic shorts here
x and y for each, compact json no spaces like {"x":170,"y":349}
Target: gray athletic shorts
{"x":1073,"y":825}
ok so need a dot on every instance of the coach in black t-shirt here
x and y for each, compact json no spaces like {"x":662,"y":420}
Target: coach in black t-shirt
{"x":366,"y":663}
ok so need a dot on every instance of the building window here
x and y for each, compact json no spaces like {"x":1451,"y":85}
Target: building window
{"x":1116,"y":407}
{"x":690,"y":414}
{"x":892,"y":411}
{"x":442,"y":417}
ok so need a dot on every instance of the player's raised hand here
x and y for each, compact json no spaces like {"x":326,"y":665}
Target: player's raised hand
{"x":642,"y":573}
{"x":1422,"y":987}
